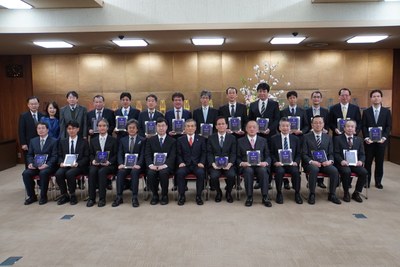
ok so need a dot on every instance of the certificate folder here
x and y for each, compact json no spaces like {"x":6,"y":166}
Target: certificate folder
{"x":319,"y":155}
{"x":70,"y":160}
{"x":253,"y":157}
{"x":285,"y":156}
{"x":130,"y":160}
{"x":39,"y":160}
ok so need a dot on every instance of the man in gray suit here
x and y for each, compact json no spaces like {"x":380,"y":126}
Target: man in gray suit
{"x":73,"y":112}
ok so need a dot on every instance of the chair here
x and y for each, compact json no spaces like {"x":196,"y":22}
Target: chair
{"x":36,"y":178}
{"x":354,"y":175}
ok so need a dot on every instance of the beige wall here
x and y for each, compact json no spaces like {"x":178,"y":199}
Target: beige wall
{"x":190,"y":72}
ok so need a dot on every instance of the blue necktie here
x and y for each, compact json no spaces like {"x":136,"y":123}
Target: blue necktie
{"x":161,"y":141}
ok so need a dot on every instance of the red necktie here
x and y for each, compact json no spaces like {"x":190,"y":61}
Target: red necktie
{"x":190,"y":141}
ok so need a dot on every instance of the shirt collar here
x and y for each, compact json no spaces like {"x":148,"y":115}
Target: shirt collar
{"x":223,"y":135}
{"x":254,"y":138}
{"x":75,"y":139}
{"x":163,"y":136}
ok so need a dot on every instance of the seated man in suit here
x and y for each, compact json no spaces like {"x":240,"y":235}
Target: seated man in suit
{"x":71,"y":145}
{"x":101,"y":166}
{"x":222,"y":144}
{"x":191,"y":158}
{"x":344,"y":142}
{"x":252,"y":142}
{"x":317,"y":156}
{"x":160,"y":166}
{"x":149,"y":114}
{"x":285,"y":140}
{"x":43,"y":144}
{"x":73,"y":112}
{"x":99,"y":112}
{"x":126,"y":110}
{"x":130,"y":144}
{"x":205,"y":113}
{"x":234,"y":109}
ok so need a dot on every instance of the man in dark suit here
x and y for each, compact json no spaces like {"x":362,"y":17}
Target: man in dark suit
{"x":252,"y":142}
{"x":345,"y":142}
{"x":234,"y":109}
{"x":130,"y":144}
{"x":126,"y":110}
{"x":285,"y":140}
{"x":344,"y":109}
{"x":158,"y":172}
{"x":150,"y":114}
{"x":43,"y":144}
{"x":73,"y":112}
{"x":97,"y":113}
{"x":314,"y":143}
{"x":71,"y":145}
{"x":178,"y":112}
{"x":27,"y":125}
{"x":191,"y":158}
{"x":222,"y":144}
{"x":376,"y":116}
{"x":205,"y":113}
{"x":103,"y":167}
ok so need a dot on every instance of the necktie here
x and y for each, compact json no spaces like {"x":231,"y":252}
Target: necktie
{"x":72,"y":149}
{"x":126,"y":112}
{"x":350,"y":142}
{"x":41,"y":144}
{"x":376,"y":115}
{"x":161,"y":141}
{"x":102,"y":142}
{"x":262,"y":108}
{"x":285,"y":144}
{"x":190,"y":141}
{"x":72,"y":109}
{"x":292,"y":111}
{"x":34,"y":118}
{"x":98,"y":115}
{"x":151,"y":116}
{"x":232,"y":110}
{"x":318,"y":141}
{"x":221,"y":141}
{"x":252,"y":143}
{"x":205,"y":112}
{"x":344,"y":112}
{"x":316,"y":111}
{"x":177,"y":114}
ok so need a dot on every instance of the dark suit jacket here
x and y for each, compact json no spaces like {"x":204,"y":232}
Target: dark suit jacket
{"x":341,"y":144}
{"x":276,"y":144}
{"x":353,"y":112}
{"x":170,"y":114}
{"x":271,"y":112}
{"x":228,"y":149}
{"x":211,"y":117}
{"x":138,"y":148}
{"x":304,"y":125}
{"x":81,"y":148}
{"x":241,"y":111}
{"x":27,"y":127}
{"x":144,"y":116}
{"x":310,"y":144}
{"x":110,"y":145}
{"x":107,"y":114}
{"x":384,"y":121}
{"x":191,"y":155}
{"x":49,"y":148}
{"x":80,"y":117}
{"x":169,"y":147}
{"x":243,"y":145}
{"x":323,"y":113}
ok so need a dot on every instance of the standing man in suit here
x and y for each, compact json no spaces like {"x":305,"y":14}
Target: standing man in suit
{"x":316,"y":140}
{"x":71,"y":145}
{"x":222,"y":144}
{"x":73,"y":112}
{"x":234,"y":109}
{"x":150,"y":114}
{"x":344,"y":109}
{"x":178,"y":112}
{"x":130,"y":144}
{"x":98,"y":113}
{"x":191,"y":158}
{"x":157,"y":173}
{"x":126,"y":110}
{"x":43,"y":144}
{"x":376,"y":116}
{"x":27,"y":125}
{"x":205,"y":113}
{"x":100,"y":169}
{"x":344,"y":142}
{"x":252,"y":142}
{"x":285,"y":140}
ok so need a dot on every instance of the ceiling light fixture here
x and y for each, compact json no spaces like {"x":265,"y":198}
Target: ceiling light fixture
{"x":130,"y":42}
{"x":208,"y":41}
{"x":287,"y":40}
{"x":365,"y":39}
{"x":14,"y":4}
{"x":53,"y":44}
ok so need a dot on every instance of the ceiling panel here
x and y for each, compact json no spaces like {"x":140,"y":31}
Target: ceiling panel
{"x":64,"y":3}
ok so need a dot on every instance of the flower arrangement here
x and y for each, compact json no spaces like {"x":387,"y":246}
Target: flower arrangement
{"x":263,"y":74}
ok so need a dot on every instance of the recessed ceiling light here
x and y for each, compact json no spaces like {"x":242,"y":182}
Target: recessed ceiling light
{"x":208,"y":41}
{"x":130,"y":42}
{"x":14,"y":4}
{"x":53,"y":44}
{"x":287,"y":40}
{"x":360,"y":39}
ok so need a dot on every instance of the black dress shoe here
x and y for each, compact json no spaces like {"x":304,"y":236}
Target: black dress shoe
{"x":249,"y":202}
{"x":63,"y":199}
{"x":333,"y":198}
{"x":43,"y":200}
{"x":286,"y":184}
{"x":117,"y":201}
{"x":164,"y":200}
{"x":229,"y":197}
{"x":135,"y":202}
{"x":181,"y":200}
{"x":257,"y":186}
{"x":321,"y":185}
{"x":356,"y":197}
{"x":218,"y":197}
{"x":311,"y":199}
{"x":298,"y":198}
{"x":199,"y":201}
{"x":346,"y":197}
{"x":154,"y":200}
{"x":73,"y":200}
{"x":279,"y":198}
{"x":379,"y":186}
{"x":266,"y":202}
{"x":90,"y":203}
{"x":174,"y":188}
{"x":101,"y":203}
{"x":30,"y":200}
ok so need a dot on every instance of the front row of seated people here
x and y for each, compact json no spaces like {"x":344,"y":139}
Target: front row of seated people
{"x":194,"y":154}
